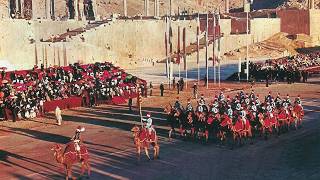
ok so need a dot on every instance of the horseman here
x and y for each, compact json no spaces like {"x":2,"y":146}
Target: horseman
{"x":221,"y":97}
{"x":177,"y":104}
{"x":189,"y":107}
{"x":230,"y":111}
{"x":202,"y":102}
{"x":77,"y":139}
{"x":288,"y":101}
{"x":278,"y":100}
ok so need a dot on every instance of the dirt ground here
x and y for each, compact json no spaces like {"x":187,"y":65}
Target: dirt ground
{"x":25,"y":145}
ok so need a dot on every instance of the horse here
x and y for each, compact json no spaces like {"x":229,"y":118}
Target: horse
{"x":297,"y":114}
{"x":142,"y":140}
{"x":171,"y":118}
{"x":70,"y":156}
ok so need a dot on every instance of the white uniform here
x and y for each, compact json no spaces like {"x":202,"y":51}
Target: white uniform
{"x":58,"y":115}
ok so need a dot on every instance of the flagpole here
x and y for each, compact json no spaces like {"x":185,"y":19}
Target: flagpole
{"x":214,"y":44}
{"x":166,"y":46}
{"x":198,"y":34}
{"x":247,"y":47}
{"x":206,"y":38}
{"x":184,"y":55}
{"x":178,"y":50}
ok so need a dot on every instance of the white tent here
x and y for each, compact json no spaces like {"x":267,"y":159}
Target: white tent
{"x":5,"y":63}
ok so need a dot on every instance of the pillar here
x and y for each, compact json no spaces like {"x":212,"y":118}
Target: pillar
{"x":146,"y":7}
{"x":227,"y":6}
{"x":76,"y":9}
{"x":95,"y":9}
{"x":311,"y":4}
{"x":155,"y":8}
{"x":125,"y":13}
{"x":158,"y":8}
{"x":47,"y":6}
{"x":52,"y":9}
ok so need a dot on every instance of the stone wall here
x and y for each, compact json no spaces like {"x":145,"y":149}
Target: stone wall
{"x":315,"y":26}
{"x":125,"y":43}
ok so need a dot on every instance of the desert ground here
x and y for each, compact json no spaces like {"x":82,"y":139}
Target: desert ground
{"x":25,"y":145}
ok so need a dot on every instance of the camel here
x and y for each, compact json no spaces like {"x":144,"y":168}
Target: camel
{"x":70,"y":157}
{"x":141,"y":140}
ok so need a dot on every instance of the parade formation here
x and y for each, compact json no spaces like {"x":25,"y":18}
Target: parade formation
{"x":241,"y":117}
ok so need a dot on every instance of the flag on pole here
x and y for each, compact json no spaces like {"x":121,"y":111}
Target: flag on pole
{"x":184,"y":48}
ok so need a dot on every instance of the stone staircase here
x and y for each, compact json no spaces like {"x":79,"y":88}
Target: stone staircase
{"x":74,"y":32}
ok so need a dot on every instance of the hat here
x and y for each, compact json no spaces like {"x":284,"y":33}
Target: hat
{"x":148,"y":115}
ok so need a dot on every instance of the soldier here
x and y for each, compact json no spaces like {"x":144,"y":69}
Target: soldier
{"x":189,"y":107}
{"x":151,"y":88}
{"x":177,"y":104}
{"x":195,"y":91}
{"x":161,"y":89}
{"x":202,"y":101}
{"x":58,"y":115}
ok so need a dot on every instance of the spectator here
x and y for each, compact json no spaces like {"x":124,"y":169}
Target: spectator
{"x":130,"y":103}
{"x":161,"y":89}
{"x":151,"y":88}
{"x":195,"y":91}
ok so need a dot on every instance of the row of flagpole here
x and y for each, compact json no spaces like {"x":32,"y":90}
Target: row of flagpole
{"x":169,"y":47}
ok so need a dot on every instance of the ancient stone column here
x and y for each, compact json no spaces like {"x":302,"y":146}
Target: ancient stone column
{"x":95,"y":9}
{"x":227,"y":6}
{"x":311,"y":4}
{"x":155,"y":8}
{"x":48,"y":15}
{"x":76,"y":10}
{"x":125,"y":11}
{"x":146,"y":7}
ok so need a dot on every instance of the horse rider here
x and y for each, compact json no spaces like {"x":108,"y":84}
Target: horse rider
{"x":177,"y":104}
{"x":202,"y":101}
{"x":221,"y":97}
{"x":77,"y":139}
{"x":147,"y":123}
{"x":189,"y":107}
{"x":230,"y":111}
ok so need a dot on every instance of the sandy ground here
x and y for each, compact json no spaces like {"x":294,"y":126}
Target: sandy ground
{"x":25,"y":145}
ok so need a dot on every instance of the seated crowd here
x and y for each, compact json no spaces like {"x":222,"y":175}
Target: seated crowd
{"x":290,"y":69}
{"x":24,"y":93}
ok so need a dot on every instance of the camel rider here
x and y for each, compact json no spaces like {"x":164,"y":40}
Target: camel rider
{"x":147,"y":123}
{"x":189,"y":107}
{"x":77,"y":138}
